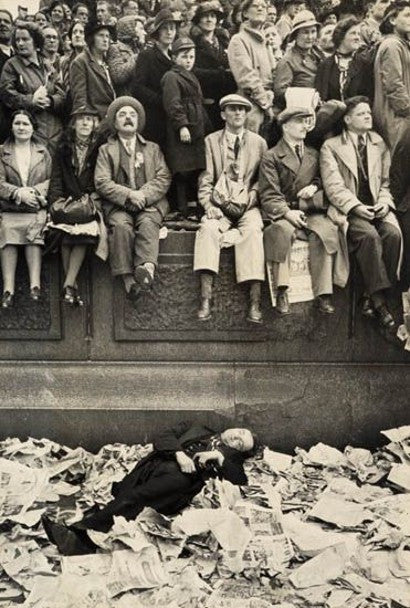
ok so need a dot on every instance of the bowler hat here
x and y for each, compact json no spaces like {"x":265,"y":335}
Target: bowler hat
{"x":182,"y":44}
{"x":163,"y":16}
{"x":209,"y":6}
{"x":235,"y":100}
{"x":92,"y":27}
{"x":302,"y":19}
{"x":119,"y":103}
{"x":289,"y":113}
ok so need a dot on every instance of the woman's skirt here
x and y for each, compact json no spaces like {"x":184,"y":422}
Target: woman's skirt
{"x":22,"y":228}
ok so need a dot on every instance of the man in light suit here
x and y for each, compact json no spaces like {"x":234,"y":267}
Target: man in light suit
{"x":292,"y":199}
{"x":232,"y":162}
{"x":355,"y":173}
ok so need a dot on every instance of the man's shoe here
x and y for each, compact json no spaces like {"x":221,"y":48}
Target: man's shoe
{"x":134,"y":293}
{"x":325,"y":305}
{"x":282,"y":302}
{"x":384,"y":317}
{"x":143,"y":277}
{"x":368,"y":308}
{"x":254,"y":313}
{"x":67,"y":540}
{"x":204,"y":313}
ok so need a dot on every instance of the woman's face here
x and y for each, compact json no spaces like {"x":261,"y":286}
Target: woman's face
{"x":207,"y":22}
{"x":84,"y":125}
{"x":50,"y":39}
{"x":256,"y":13}
{"x":131,"y":8}
{"x":67,"y":12}
{"x":272,"y":37}
{"x":57,"y":14}
{"x":352,"y":40}
{"x":167,"y":33}
{"x":101,"y":41}
{"x":22,"y":128}
{"x":24,"y":43}
{"x":306,"y":37}
{"x":77,"y":36}
{"x":41,"y":20}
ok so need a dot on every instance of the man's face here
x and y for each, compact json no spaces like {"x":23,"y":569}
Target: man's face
{"x":359,"y":120}
{"x":272,"y":13}
{"x":140,"y":32}
{"x":401,"y":22}
{"x":325,"y":40}
{"x":306,"y":37}
{"x":378,"y":8}
{"x":186,"y":59}
{"x":238,"y":439}
{"x":131,"y":8}
{"x":126,"y":121}
{"x":297,"y":128}
{"x":234,"y":116}
{"x":102,"y":12}
{"x":50,"y":39}
{"x":257,"y":12}
{"x":82,"y":14}
{"x":293,"y":9}
{"x":5,"y":27}
{"x":41,"y":20}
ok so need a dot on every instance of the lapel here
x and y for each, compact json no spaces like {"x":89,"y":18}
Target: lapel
{"x":373,"y":163}
{"x":37,"y":157}
{"x":98,"y":71}
{"x":345,"y":150}
{"x":8,"y":157}
{"x":287,"y":156}
{"x":308,"y":169}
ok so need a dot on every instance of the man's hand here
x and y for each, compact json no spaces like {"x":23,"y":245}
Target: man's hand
{"x":186,"y":464}
{"x":381,"y":210}
{"x":296,"y":218}
{"x":137,"y":199}
{"x":213,"y":456}
{"x":40,"y":98}
{"x":214,"y":213}
{"x":307,"y":192}
{"x":366,"y":212}
{"x":185,"y":135}
{"x":28,"y":197}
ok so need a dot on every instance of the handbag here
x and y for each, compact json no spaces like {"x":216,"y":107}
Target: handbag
{"x":230,"y":196}
{"x":73,"y":211}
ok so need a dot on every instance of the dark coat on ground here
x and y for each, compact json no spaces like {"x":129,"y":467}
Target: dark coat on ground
{"x":158,"y":482}
{"x":357,"y":82}
{"x":149,"y":70}
{"x":183,"y":103}
{"x":89,"y":85}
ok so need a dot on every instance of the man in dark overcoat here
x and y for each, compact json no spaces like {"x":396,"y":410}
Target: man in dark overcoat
{"x":167,"y":479}
{"x":292,"y":199}
{"x":132,"y":178}
{"x":400,"y":189}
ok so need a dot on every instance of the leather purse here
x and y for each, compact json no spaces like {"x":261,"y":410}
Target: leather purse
{"x":73,"y":211}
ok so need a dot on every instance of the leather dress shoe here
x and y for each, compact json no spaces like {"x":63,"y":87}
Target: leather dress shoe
{"x":143,"y":277}
{"x":204,"y":313}
{"x":134,"y":293}
{"x":67,"y":540}
{"x":254,"y":313}
{"x":368,"y":308}
{"x":35,"y":294}
{"x":7,"y":301}
{"x":282,"y":302}
{"x":384,"y":317}
{"x":325,"y":305}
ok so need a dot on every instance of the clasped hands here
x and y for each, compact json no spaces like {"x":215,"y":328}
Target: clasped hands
{"x":371,"y":212}
{"x":136,"y":199}
{"x":29,"y":197}
{"x":41,"y":98}
{"x":187,"y":464}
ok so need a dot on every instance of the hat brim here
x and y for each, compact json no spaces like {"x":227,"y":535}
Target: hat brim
{"x":285,"y":116}
{"x":296,"y":29}
{"x":247,"y":107}
{"x":119,"y":103}
{"x":155,"y":28}
{"x":196,"y":18}
{"x":111,"y":28}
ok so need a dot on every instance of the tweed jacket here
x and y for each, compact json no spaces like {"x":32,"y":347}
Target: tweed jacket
{"x":89,"y":85}
{"x":254,"y":147}
{"x":112,"y":188}
{"x":10,"y":180}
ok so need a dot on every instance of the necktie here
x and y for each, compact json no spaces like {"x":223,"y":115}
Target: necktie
{"x":128,"y":147}
{"x":298,"y":150}
{"x":361,"y":148}
{"x":236,"y":146}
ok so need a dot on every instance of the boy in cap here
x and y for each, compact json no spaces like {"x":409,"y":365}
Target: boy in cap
{"x":292,"y":199}
{"x":132,"y":179}
{"x":185,"y":123}
{"x":228,"y":192}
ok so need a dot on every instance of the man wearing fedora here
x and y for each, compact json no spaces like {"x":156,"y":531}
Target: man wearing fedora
{"x":228,"y":192}
{"x":292,"y":199}
{"x":132,"y":179}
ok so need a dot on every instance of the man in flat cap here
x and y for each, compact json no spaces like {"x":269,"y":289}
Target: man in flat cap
{"x":228,"y":192}
{"x":132,"y":178}
{"x":292,"y":199}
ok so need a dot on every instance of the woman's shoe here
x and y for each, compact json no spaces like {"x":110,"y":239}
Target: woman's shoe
{"x":7,"y":301}
{"x":69,"y":295}
{"x":35,"y":294}
{"x":77,"y":299}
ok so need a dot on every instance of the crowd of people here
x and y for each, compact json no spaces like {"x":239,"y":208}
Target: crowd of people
{"x":259,"y":123}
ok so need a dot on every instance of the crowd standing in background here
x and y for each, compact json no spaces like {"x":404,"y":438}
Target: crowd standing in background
{"x":259,"y":122}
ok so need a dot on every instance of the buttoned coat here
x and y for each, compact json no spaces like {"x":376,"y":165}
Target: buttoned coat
{"x":296,"y":69}
{"x":339,"y":171}
{"x":281,"y":177}
{"x":253,"y":147}
{"x":10,"y":180}
{"x":89,"y":85}
{"x":112,"y":187}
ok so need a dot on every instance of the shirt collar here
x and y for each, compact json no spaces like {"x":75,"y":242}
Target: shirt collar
{"x":301,"y":145}
{"x":355,"y":138}
{"x":129,"y":142}
{"x":231,"y":137}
